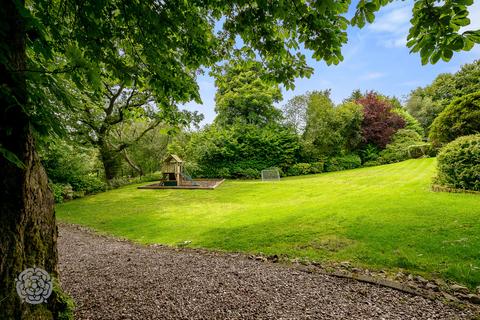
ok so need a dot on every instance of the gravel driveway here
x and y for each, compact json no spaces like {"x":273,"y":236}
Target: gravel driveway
{"x":114,"y":279}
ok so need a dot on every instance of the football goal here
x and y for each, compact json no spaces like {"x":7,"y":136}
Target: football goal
{"x":270,"y":174}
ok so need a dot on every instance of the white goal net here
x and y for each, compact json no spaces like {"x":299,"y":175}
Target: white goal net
{"x":271,"y":174}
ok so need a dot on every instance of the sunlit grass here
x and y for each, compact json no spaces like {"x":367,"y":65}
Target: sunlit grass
{"x":378,"y":217}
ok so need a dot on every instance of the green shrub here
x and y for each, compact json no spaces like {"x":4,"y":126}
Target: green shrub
{"x":459,"y":163}
{"x":460,"y":118}
{"x":224,"y":173}
{"x":316,"y":167}
{"x":118,"y":182}
{"x":57,"y":190}
{"x":371,"y":163}
{"x":245,"y":173}
{"x":350,"y":161}
{"x":398,"y":149}
{"x":299,"y":169}
{"x":369,"y":153}
{"x":230,"y":151}
{"x":88,"y":184}
{"x":62,"y":192}
{"x":424,"y":149}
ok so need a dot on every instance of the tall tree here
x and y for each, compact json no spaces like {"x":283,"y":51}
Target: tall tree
{"x":321,"y":135}
{"x":427,"y":103}
{"x":295,"y":110}
{"x":98,"y":121}
{"x":243,"y":95}
{"x":379,"y":121}
{"x":172,"y":40}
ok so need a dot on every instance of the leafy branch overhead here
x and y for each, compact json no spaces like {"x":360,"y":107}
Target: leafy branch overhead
{"x":164,"y":45}
{"x":437,"y":27}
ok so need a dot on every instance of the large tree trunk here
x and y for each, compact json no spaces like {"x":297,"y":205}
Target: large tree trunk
{"x":111,"y":161}
{"x":28,"y":234}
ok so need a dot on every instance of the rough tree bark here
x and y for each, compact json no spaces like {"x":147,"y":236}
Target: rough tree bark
{"x":28,"y":233}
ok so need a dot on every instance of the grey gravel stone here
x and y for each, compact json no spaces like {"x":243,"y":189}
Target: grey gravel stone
{"x":115,"y":279}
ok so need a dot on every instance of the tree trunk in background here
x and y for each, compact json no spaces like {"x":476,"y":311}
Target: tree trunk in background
{"x":111,"y":161}
{"x":28,"y":233}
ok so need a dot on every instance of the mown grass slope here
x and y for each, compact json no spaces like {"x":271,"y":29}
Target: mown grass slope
{"x":378,"y":217}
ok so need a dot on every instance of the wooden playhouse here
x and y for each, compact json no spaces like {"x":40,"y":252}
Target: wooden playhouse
{"x":174,"y":176}
{"x":172,"y":170}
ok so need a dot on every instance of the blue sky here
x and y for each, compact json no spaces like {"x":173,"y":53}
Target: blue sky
{"x":376,"y":57}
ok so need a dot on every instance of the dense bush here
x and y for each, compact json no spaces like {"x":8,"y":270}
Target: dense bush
{"x":240,"y":151}
{"x":460,"y":118}
{"x":299,"y":169}
{"x":316,"y":167}
{"x":398,"y":149}
{"x":423,"y":149}
{"x":426,"y":103}
{"x":350,"y":161}
{"x":71,"y":165}
{"x":459,"y":163}
{"x":330,"y":130}
{"x":410,"y":122}
{"x":61,"y":192}
{"x":369,"y":153}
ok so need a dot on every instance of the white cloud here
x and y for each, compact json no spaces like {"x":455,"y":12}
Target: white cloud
{"x":391,"y":26}
{"x":399,"y":42}
{"x":373,"y":76}
{"x":394,"y":21}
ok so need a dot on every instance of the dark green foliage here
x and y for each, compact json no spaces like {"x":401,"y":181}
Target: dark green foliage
{"x":425,"y":104}
{"x":398,"y":149}
{"x":239,"y":151}
{"x":61,"y":192}
{"x":72,"y":167}
{"x":317,"y":167}
{"x":349,"y":118}
{"x":330,"y":130}
{"x":299,"y":169}
{"x":369,"y":153}
{"x":349,"y":161}
{"x":458,"y":163}
{"x":460,"y":118}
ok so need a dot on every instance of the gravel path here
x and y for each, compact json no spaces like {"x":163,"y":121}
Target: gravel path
{"x":114,"y":279}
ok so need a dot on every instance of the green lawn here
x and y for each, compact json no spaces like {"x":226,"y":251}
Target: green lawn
{"x":378,"y":217}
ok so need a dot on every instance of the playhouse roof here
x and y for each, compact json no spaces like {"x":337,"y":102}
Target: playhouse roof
{"x":174,"y":157}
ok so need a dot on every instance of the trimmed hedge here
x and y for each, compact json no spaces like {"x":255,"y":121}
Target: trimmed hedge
{"x":459,"y":163}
